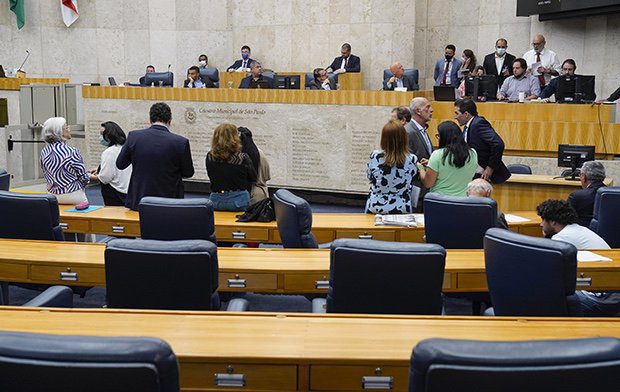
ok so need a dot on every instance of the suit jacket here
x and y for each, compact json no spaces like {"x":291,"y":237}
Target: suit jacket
{"x":417,"y":145}
{"x":245,"y":82}
{"x":205,"y":79}
{"x":454,"y":77}
{"x":490,"y":147}
{"x":407,"y":82}
{"x":583,"y":202}
{"x":614,"y":96}
{"x":142,"y":81}
{"x":314,"y":85}
{"x":491,"y":68}
{"x":353,"y":64}
{"x":160,"y":160}
{"x":238,"y":63}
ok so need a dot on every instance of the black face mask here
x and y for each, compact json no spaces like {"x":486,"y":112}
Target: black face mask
{"x":448,"y":57}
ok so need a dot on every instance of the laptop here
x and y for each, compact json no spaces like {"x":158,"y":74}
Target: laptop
{"x":112,"y":81}
{"x":444,"y":93}
{"x":262,"y":84}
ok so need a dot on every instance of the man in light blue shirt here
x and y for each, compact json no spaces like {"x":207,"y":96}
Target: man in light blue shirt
{"x":194,"y":80}
{"x":520,"y":82}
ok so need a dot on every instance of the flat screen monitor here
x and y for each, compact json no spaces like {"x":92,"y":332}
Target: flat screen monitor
{"x":112,"y":81}
{"x":481,"y":88}
{"x":262,"y":84}
{"x":294,"y":82}
{"x":159,"y":79}
{"x":280,"y":82}
{"x":573,"y":156}
{"x":444,"y":93}
{"x":575,"y":89}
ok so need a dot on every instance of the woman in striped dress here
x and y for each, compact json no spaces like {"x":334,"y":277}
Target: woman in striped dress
{"x":62,"y":165}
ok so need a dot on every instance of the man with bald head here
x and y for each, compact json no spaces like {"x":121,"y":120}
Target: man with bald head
{"x":483,"y":188}
{"x":419,"y":141}
{"x":399,"y":79}
{"x":547,"y":62}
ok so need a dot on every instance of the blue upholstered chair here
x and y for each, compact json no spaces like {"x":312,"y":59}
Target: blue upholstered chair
{"x":5,"y":180}
{"x":41,"y":362}
{"x":530,"y":276}
{"x":442,"y":365}
{"x":411,"y":72}
{"x":517,"y":168}
{"x":381,"y":277}
{"x":176,"y":219}
{"x":213,"y":74}
{"x":605,"y":221}
{"x":294,"y":219}
{"x":53,"y":297}
{"x":151,"y":274}
{"x":310,"y":77}
{"x":29,"y":217}
{"x":456,"y":222}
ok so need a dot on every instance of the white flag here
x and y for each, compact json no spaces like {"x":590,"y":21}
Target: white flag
{"x":69,"y":11}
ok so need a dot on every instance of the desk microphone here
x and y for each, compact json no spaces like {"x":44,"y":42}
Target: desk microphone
{"x":169,"y":67}
{"x":27,"y":55}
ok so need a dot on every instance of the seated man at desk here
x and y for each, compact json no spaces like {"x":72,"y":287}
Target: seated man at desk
{"x":519,"y":82}
{"x":399,"y":80}
{"x":194,"y":80}
{"x":347,"y":62}
{"x":568,"y":68}
{"x":242,"y":65}
{"x":149,"y":69}
{"x":322,"y":81}
{"x":592,"y":177}
{"x":483,"y":188}
{"x":256,"y":77}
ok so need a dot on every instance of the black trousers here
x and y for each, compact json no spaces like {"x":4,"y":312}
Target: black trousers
{"x":112,"y":197}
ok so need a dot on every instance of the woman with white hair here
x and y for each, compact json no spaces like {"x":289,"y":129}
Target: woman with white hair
{"x":62,"y":165}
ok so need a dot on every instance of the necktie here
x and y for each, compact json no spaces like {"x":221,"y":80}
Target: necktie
{"x":346,"y":61}
{"x":541,"y":78}
{"x":465,"y":133}
{"x":244,"y":65}
{"x":429,"y":146}
{"x":445,"y":73}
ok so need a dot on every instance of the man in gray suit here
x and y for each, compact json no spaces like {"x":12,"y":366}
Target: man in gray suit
{"x":419,"y":140}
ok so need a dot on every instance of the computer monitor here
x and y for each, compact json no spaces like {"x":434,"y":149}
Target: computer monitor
{"x":157,"y":79}
{"x":280,"y":82}
{"x":575,"y":89}
{"x":2,"y":73}
{"x":444,"y":93}
{"x":262,"y":84}
{"x":112,"y":81}
{"x":573,"y":156}
{"x":481,"y":88}
{"x":293,"y":82}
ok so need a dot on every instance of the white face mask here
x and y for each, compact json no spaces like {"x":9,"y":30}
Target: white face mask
{"x":202,"y":63}
{"x":500,"y":51}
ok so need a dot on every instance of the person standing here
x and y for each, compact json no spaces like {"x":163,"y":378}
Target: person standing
{"x":447,"y":68}
{"x":160,"y":159}
{"x":548,"y":63}
{"x":347,"y":62}
{"x":500,"y":62}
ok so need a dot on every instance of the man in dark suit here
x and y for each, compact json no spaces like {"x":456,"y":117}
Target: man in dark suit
{"x":481,"y":136}
{"x":447,"y":68}
{"x":321,"y":81}
{"x":399,"y":79}
{"x":345,"y":63}
{"x":159,"y":158}
{"x":592,"y":177}
{"x":500,"y":62}
{"x":242,"y":65}
{"x":149,"y":69}
{"x":195,"y":80}
{"x":256,"y":76}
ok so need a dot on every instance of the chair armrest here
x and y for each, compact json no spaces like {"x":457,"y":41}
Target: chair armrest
{"x":488,"y":312}
{"x":326,"y":245}
{"x":270,"y":246}
{"x":238,"y":305}
{"x":319,"y":305}
{"x":53,"y":297}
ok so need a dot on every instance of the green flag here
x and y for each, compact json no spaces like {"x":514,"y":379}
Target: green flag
{"x":17,"y":6}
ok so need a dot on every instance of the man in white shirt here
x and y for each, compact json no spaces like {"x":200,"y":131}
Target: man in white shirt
{"x":547,"y":61}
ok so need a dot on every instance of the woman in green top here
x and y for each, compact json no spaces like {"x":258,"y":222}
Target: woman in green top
{"x":452,"y":166}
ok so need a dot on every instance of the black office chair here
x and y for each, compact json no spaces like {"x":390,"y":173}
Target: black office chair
{"x":294,"y":220}
{"x":5,"y":180}
{"x":53,"y":297}
{"x":176,"y":219}
{"x":517,"y":168}
{"x":29,"y":216}
{"x":530,"y":276}
{"x":381,"y":277}
{"x":42,"y":362}
{"x":211,"y":73}
{"x":310,"y":77}
{"x":151,"y":274}
{"x":605,"y":220}
{"x":411,"y":72}
{"x":456,"y":222}
{"x":439,"y":365}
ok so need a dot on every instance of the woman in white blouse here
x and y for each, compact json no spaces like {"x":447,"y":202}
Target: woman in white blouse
{"x":114,"y":182}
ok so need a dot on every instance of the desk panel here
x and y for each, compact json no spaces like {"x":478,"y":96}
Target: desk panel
{"x":16,"y":83}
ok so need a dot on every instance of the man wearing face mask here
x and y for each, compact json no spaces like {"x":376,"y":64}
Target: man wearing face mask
{"x":203,"y":61}
{"x":242,"y":65}
{"x":500,"y":62}
{"x":447,"y":68}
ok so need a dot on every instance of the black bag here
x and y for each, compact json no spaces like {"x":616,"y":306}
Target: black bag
{"x":261,"y":211}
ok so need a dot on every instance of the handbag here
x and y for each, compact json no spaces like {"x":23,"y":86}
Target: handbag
{"x":261,"y":211}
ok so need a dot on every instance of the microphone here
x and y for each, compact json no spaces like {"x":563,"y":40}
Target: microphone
{"x":24,"y":62}
{"x":169,"y":67}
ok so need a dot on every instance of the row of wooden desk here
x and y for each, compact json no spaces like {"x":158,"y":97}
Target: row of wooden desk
{"x":294,"y":352}
{"x":286,"y":271}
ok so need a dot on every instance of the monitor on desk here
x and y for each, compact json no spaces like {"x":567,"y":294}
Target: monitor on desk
{"x":280,"y":82}
{"x":573,"y":156}
{"x":159,"y":79}
{"x":575,"y":89}
{"x":481,"y":88}
{"x":288,"y":82}
{"x":444,"y":93}
{"x":2,"y":73}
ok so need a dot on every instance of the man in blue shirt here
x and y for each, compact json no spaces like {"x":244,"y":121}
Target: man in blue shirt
{"x":568,"y":68}
{"x":194,"y":80}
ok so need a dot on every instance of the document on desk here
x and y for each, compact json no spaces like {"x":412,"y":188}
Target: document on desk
{"x":585,"y":256}
{"x":515,"y":218}
{"x":406,"y":220}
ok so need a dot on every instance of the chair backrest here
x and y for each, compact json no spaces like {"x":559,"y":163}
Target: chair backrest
{"x":310,"y":77}
{"x":5,"y":180}
{"x":411,"y":72}
{"x":518,"y":168}
{"x":41,"y":362}
{"x":368,"y":276}
{"x":437,"y":365}
{"x":457,"y":222}
{"x":176,"y":219}
{"x":605,"y":220}
{"x":29,"y":217}
{"x":213,"y":74}
{"x":529,"y":276}
{"x":151,"y":274}
{"x":294,"y":219}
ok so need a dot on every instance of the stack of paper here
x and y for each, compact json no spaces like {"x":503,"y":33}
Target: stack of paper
{"x":584,"y":256}
{"x":407,"y":220}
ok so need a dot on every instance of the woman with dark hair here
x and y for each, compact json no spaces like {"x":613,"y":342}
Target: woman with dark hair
{"x":452,"y":166}
{"x":260,"y":190}
{"x":114,"y":182}
{"x":390,"y":172}
{"x":469,"y":63}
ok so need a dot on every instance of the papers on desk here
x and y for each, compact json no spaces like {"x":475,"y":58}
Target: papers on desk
{"x":584,"y":256}
{"x":89,"y":209}
{"x":515,"y":218}
{"x":406,"y":220}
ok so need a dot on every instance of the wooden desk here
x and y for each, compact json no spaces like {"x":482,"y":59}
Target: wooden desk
{"x":351,"y":81}
{"x":285,"y":271}
{"x":294,"y":352}
{"x":347,"y":81}
{"x":119,"y":221}
{"x":16,"y":83}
